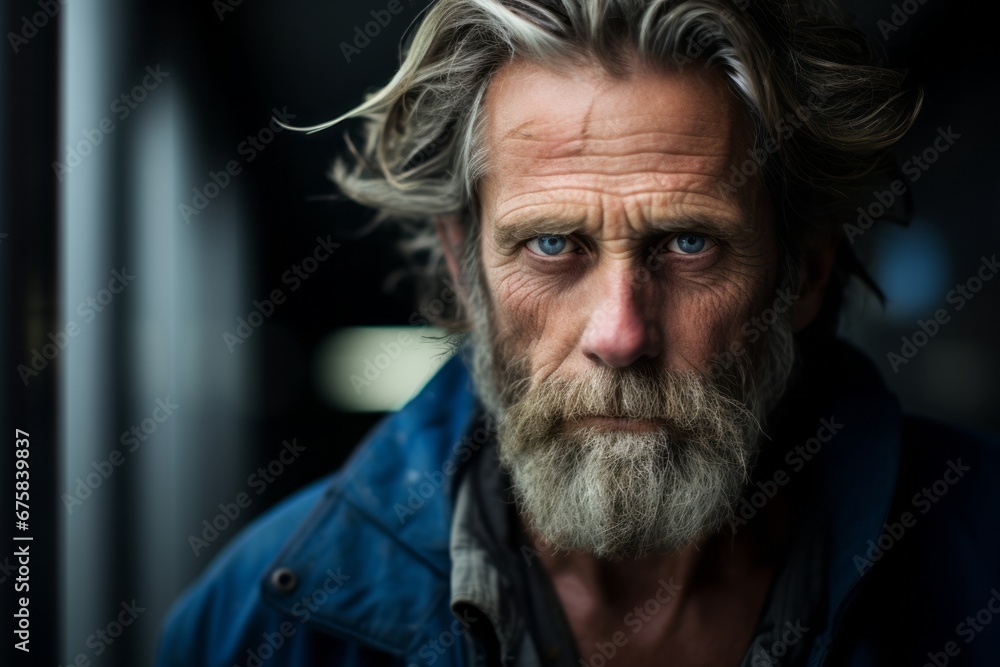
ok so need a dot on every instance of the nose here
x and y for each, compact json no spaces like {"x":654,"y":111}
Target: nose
{"x":622,"y":327}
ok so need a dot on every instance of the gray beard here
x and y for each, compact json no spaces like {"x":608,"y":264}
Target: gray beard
{"x":617,"y":493}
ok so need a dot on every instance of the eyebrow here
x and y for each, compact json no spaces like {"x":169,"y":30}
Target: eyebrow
{"x":513,"y":232}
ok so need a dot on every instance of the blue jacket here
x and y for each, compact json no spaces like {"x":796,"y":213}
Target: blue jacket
{"x":354,"y":569}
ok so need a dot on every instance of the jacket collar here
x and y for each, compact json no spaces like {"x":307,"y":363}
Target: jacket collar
{"x":380,"y":535}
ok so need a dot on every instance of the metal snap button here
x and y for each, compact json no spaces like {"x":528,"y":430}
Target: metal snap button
{"x":284,"y":580}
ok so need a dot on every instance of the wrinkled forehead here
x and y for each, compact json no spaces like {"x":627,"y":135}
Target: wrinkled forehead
{"x":681,"y":132}
{"x":583,"y":109}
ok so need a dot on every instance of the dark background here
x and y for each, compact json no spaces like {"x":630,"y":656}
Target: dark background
{"x":229,"y":68}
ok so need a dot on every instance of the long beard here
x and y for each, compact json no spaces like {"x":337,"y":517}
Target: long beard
{"x":617,"y":493}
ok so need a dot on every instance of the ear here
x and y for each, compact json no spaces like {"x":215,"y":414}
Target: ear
{"x":814,"y":273}
{"x":452,"y":236}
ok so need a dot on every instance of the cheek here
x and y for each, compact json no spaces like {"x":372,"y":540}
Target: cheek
{"x":700,"y":330}
{"x":537,"y":314}
{"x":696,"y":324}
{"x":703,"y":318}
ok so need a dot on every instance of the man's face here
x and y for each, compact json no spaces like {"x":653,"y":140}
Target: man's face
{"x":610,"y":231}
{"x":618,"y":264}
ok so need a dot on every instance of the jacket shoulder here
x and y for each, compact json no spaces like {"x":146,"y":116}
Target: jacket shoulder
{"x":226,"y":614}
{"x":221,"y":620}
{"x":211,"y":618}
{"x":936,"y":565}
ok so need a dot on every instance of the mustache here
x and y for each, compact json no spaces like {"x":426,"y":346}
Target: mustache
{"x":675,"y":401}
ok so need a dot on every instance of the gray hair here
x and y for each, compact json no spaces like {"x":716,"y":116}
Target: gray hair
{"x":826,"y":114}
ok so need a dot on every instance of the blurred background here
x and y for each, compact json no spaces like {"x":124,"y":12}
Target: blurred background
{"x":182,"y":294}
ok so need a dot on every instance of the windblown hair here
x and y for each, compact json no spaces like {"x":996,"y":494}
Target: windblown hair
{"x":826,"y":114}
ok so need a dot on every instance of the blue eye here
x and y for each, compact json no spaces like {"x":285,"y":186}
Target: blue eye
{"x":690,"y":244}
{"x":550,"y":244}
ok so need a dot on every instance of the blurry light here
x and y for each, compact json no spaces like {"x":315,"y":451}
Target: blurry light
{"x":378,"y":369}
{"x":911,"y":267}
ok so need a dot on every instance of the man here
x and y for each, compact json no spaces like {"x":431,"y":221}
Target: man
{"x":651,"y":448}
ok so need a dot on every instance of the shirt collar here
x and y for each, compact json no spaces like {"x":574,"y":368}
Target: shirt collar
{"x":480,"y":573}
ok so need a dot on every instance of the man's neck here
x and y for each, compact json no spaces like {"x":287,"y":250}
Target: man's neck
{"x":700,"y":603}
